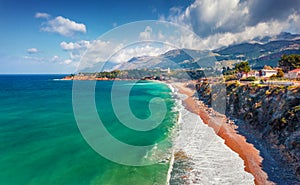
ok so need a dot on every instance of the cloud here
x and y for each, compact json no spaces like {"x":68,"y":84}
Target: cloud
{"x":32,"y":50}
{"x":146,"y":34}
{"x":94,"y":51}
{"x":54,"y":60}
{"x":137,"y":51}
{"x":83,"y":44}
{"x":63,"y":26}
{"x":225,"y":22}
{"x":68,"y":61}
{"x":42,"y":15}
{"x":98,"y":52}
{"x":271,"y":10}
{"x":251,"y":32}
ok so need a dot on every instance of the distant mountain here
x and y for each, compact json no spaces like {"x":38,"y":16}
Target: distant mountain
{"x":265,"y":51}
{"x":174,"y":59}
{"x":260,"y":54}
{"x":281,"y":36}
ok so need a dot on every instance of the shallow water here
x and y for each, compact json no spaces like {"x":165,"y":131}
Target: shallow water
{"x":41,"y":143}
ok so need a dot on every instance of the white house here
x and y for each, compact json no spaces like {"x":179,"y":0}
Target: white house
{"x":246,"y":75}
{"x":268,"y":72}
{"x":294,"y":74}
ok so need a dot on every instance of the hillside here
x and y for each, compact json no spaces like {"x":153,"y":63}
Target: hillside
{"x":269,"y":117}
{"x":265,"y":51}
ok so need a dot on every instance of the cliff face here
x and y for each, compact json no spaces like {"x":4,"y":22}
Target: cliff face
{"x":274,"y":112}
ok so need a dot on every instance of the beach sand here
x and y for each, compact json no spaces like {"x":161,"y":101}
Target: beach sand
{"x":236,"y":142}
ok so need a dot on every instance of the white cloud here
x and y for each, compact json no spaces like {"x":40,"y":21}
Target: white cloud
{"x":94,"y":54}
{"x":42,"y":15}
{"x":34,"y":59}
{"x":57,"y":61}
{"x":146,"y":34}
{"x":32,"y":50}
{"x":249,"y":33}
{"x":206,"y":17}
{"x":63,"y":26}
{"x":140,"y":50}
{"x":83,"y":44}
{"x":94,"y":51}
{"x":75,"y":49}
{"x":222,"y":22}
{"x":294,"y":23}
{"x":68,"y":61}
{"x":55,"y":58}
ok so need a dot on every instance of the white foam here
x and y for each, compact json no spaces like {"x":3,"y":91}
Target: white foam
{"x":212,"y":161}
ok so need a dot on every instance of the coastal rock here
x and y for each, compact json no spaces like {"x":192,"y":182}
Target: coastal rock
{"x":272,"y":111}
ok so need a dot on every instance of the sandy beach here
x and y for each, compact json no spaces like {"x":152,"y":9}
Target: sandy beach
{"x":236,"y":142}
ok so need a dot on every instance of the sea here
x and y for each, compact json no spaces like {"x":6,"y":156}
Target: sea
{"x":42,"y":141}
{"x":42,"y":144}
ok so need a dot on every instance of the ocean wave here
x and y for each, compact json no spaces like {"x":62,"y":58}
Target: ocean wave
{"x":207,"y":160}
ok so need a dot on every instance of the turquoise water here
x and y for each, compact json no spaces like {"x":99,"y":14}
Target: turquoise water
{"x":41,"y":143}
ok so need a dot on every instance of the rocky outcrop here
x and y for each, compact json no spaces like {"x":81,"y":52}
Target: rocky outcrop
{"x":272,"y":111}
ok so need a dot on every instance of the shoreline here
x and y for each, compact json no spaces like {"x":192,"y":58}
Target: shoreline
{"x":236,"y":142}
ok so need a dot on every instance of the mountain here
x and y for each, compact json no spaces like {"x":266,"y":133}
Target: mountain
{"x":258,"y":53}
{"x":174,"y":59}
{"x":281,"y":36}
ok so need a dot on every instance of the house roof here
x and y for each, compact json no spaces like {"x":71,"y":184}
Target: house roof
{"x":295,"y":70}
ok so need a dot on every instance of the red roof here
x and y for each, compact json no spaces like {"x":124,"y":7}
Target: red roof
{"x":295,"y":70}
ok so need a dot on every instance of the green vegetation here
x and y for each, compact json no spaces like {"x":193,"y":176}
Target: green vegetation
{"x":229,"y":72}
{"x":280,"y":73}
{"x":239,"y":67}
{"x":278,"y":76}
{"x":242,"y":67}
{"x":251,"y":78}
{"x":129,"y":74}
{"x":149,"y":74}
{"x":289,"y":62}
{"x":112,"y":74}
{"x":230,"y":77}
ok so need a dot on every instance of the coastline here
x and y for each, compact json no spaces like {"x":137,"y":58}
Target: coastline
{"x":236,"y":142}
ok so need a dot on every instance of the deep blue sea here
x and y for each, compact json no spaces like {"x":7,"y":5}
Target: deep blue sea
{"x":41,"y":143}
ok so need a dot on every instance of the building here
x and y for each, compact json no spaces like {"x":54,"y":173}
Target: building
{"x":268,"y":72}
{"x":250,"y":74}
{"x":294,"y":74}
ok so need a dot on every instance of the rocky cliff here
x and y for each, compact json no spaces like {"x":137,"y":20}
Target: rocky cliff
{"x":273,"y":112}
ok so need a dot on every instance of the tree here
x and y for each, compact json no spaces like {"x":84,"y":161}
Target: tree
{"x":289,"y":62}
{"x":242,"y":67}
{"x":280,"y":73}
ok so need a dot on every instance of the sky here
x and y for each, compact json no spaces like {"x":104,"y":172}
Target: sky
{"x":51,"y":36}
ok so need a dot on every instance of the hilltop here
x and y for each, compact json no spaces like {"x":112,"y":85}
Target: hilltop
{"x":259,"y":52}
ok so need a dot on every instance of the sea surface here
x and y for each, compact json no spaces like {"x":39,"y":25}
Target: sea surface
{"x":42,"y":144}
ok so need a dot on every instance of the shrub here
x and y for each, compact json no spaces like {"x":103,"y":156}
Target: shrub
{"x":251,"y":78}
{"x":280,"y":73}
{"x":230,"y":78}
{"x":273,"y":77}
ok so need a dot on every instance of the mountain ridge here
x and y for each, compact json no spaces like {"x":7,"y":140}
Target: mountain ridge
{"x":257,"y":53}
